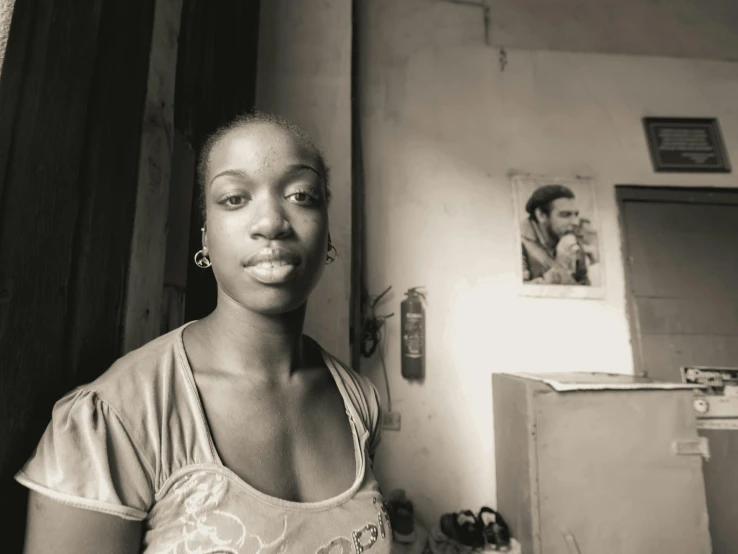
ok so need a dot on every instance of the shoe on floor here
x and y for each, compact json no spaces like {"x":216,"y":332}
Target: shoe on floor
{"x":402,"y":516}
{"x":463,"y":527}
{"x":494,"y":529}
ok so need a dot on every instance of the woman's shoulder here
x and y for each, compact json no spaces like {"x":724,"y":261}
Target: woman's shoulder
{"x":135,"y":379}
{"x":102,"y":449}
{"x":359,"y":388}
{"x":349,"y":375}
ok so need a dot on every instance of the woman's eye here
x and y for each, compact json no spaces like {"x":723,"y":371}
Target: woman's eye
{"x":304,"y":198}
{"x":233,"y":200}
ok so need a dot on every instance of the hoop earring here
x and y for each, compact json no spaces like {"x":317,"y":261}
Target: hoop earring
{"x":201,"y":259}
{"x":332,"y":254}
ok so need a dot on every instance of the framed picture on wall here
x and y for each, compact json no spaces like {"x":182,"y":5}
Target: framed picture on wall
{"x":558,"y":232}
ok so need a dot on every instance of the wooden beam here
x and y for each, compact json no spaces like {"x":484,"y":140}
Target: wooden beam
{"x":148,"y":249}
{"x":178,"y":234}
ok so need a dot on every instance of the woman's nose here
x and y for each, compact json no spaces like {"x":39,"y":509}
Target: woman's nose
{"x":270,"y":221}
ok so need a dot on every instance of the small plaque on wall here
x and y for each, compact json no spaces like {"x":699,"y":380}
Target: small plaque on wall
{"x":686,"y":144}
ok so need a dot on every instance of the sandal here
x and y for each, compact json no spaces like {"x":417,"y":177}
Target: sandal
{"x":494,"y":528}
{"x":464,"y":528}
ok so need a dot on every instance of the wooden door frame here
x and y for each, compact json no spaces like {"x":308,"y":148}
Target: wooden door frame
{"x":656,"y":193}
{"x":144,"y":299}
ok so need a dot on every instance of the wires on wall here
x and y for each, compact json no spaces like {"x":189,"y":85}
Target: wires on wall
{"x":372,"y":335}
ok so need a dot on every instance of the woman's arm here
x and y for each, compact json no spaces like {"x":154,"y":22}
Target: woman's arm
{"x":56,"y":528}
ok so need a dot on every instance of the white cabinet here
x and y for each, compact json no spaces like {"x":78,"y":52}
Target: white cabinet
{"x":606,"y":464}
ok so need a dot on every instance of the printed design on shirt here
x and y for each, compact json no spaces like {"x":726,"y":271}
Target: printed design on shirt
{"x":361,"y":539}
{"x":365,"y":537}
{"x":339,"y":545}
{"x":384,"y":517}
{"x":380,"y":521}
{"x":206,"y":529}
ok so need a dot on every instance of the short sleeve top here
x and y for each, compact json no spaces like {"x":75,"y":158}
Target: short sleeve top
{"x":135,"y":444}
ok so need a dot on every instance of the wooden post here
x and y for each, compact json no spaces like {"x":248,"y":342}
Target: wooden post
{"x":148,"y":247}
{"x":178,"y":233}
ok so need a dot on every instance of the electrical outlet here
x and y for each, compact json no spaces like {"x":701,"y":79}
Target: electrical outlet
{"x":391,"y":421}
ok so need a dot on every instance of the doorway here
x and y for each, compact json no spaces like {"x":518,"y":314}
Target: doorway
{"x":680,"y":248}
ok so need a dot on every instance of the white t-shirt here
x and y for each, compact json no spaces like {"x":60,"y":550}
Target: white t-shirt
{"x":135,"y":443}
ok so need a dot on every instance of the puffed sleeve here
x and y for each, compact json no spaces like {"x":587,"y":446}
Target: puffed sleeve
{"x":88,"y":459}
{"x":375,"y":421}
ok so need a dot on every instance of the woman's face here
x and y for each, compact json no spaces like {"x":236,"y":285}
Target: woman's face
{"x":267,"y":218}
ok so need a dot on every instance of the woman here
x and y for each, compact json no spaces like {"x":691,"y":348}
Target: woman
{"x":229,"y":434}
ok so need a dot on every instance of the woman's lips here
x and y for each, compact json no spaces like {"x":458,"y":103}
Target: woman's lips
{"x":273,"y":265}
{"x":271,"y":274}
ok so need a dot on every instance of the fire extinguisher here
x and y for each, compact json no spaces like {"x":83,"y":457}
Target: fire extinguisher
{"x":412,"y":326}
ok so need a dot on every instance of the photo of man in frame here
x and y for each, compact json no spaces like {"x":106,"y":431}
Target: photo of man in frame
{"x":559,"y":242}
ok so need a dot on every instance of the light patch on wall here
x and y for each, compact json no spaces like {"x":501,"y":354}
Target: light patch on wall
{"x":6,"y":14}
{"x":489,"y":328}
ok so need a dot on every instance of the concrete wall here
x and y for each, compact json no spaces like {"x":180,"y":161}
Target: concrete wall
{"x":674,"y":28}
{"x":304,"y":74}
{"x":443,"y":125}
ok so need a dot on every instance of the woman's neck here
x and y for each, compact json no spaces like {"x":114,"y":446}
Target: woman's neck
{"x":268,"y":347}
